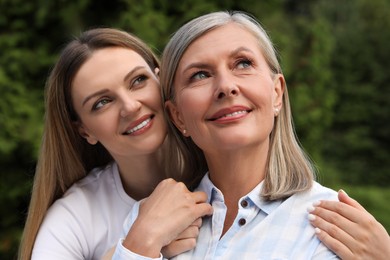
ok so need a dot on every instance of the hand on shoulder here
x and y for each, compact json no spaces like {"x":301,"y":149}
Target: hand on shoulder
{"x":347,"y":229}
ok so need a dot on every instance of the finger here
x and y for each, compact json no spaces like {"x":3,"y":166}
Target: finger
{"x":331,"y":222}
{"x":327,"y":221}
{"x":178,"y":246}
{"x":203,"y":209}
{"x":197,"y":223}
{"x":190,"y":232}
{"x":343,"y":197}
{"x":334,"y":237}
{"x":347,"y":211}
{"x":199,"y":196}
{"x":334,"y":245}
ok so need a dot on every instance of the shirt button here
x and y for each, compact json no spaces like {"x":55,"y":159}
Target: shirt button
{"x":244,"y":203}
{"x":242,"y":221}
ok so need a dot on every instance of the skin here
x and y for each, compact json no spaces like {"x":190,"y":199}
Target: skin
{"x":226,"y":98}
{"x":349,"y":230}
{"x":117,"y":99}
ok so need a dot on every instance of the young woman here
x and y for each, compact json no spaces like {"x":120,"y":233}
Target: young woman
{"x":227,"y":98}
{"x":104,"y":116}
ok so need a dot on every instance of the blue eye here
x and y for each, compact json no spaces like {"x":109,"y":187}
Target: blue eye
{"x":245,"y":63}
{"x":101,"y":103}
{"x":139,"y":80}
{"x":199,"y":75}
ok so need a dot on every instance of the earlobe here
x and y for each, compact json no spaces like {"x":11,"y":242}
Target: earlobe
{"x":84,"y":133}
{"x":175,"y":117}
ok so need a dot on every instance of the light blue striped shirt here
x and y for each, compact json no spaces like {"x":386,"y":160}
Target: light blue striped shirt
{"x":261,"y":229}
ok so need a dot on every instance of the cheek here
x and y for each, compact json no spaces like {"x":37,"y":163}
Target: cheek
{"x":154,"y":98}
{"x":192,"y":104}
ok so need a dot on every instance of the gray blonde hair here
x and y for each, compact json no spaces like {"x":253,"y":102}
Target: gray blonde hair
{"x":289,"y":170}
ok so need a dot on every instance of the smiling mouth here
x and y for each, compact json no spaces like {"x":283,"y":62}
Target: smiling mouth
{"x":139,"y":126}
{"x":236,"y":113}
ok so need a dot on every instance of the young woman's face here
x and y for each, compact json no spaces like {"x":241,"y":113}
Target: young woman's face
{"x":226,"y":94}
{"x":117,"y":98}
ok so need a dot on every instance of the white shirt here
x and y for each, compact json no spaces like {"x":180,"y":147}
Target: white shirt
{"x":87,"y":221}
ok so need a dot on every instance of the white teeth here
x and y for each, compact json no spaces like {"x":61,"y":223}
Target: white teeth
{"x":235,"y":113}
{"x":143,"y":124}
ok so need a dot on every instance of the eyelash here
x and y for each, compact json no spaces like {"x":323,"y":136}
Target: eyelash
{"x":249,"y":62}
{"x":96,"y":106}
{"x":136,"y":83}
{"x":198,"y":73}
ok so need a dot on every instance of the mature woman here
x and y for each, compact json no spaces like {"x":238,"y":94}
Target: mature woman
{"x":104,"y":116}
{"x":227,"y":98}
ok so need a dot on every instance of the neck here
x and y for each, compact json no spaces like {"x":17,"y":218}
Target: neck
{"x":140,"y":174}
{"x":236,"y":173}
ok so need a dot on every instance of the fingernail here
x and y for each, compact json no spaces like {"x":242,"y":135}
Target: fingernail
{"x":317,"y":230}
{"x":316,"y":203}
{"x":341,"y":190}
{"x":311,"y":217}
{"x":310,"y":209}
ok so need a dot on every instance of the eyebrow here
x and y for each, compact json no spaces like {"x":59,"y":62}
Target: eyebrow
{"x":202,"y":65}
{"x":100,"y":92}
{"x":238,"y":50}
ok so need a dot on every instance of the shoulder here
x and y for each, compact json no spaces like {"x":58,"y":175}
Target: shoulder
{"x":303,"y":200}
{"x":320,"y":192}
{"x":82,"y":194}
{"x":95,"y":178}
{"x":88,"y":217}
{"x":102,"y":186}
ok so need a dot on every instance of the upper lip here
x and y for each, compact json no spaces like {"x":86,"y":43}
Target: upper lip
{"x":229,"y":110}
{"x":137,"y":122}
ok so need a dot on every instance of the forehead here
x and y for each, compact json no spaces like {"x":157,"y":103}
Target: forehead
{"x":111,"y":61}
{"x":118,"y":56}
{"x":222,"y":39}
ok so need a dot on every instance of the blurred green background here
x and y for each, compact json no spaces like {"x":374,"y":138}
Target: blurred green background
{"x":335,"y":55}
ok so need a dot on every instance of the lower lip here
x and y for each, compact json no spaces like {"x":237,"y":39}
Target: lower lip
{"x":143,"y":129}
{"x":230,"y":119}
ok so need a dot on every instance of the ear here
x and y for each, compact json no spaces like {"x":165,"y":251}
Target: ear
{"x":157,"y":72}
{"x":176,"y":117}
{"x":279,"y":87}
{"x":84,"y":133}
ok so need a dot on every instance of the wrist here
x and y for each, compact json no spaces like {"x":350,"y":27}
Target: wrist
{"x":142,"y":242}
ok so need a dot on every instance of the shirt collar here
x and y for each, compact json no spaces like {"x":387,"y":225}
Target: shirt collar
{"x":254,"y":196}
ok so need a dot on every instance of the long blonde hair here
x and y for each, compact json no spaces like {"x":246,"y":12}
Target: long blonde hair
{"x":289,"y":169}
{"x":65,"y":157}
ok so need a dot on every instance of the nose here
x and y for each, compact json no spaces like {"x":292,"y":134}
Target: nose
{"x":129,"y":105}
{"x":226,"y":87}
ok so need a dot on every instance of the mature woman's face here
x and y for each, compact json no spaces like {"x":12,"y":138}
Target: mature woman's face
{"x":226,"y":94}
{"x":117,"y":98}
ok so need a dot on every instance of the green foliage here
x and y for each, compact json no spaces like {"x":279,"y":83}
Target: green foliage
{"x":334,"y":55}
{"x":359,"y":137}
